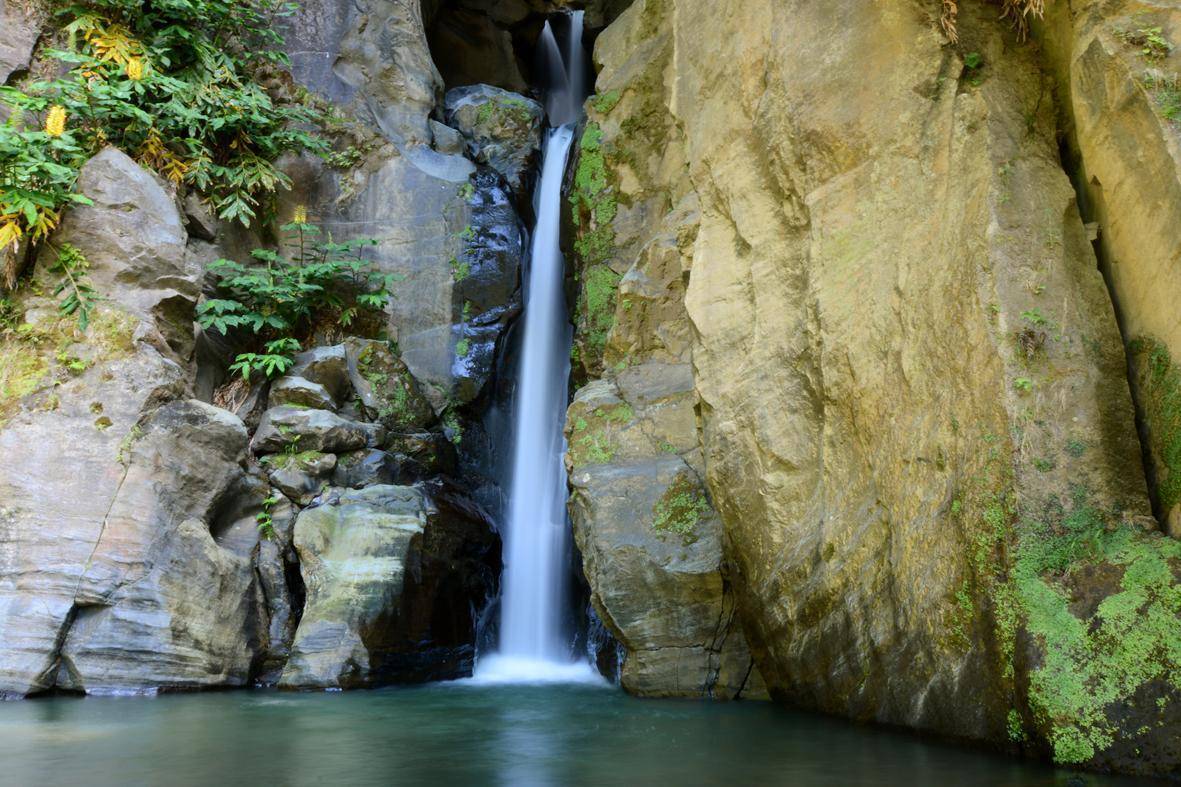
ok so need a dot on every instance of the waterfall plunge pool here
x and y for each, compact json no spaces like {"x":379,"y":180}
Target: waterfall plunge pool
{"x":464,"y":733}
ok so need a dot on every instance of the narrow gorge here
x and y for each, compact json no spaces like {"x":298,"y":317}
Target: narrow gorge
{"x":532,"y":364}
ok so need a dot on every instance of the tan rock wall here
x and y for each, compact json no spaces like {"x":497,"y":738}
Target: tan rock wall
{"x":1119,"y":104}
{"x":913,"y":404}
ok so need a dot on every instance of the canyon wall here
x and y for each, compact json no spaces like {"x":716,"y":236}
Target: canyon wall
{"x":908,"y":385}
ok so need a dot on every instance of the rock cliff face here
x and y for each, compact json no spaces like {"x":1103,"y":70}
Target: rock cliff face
{"x":1116,"y":67}
{"x":152,"y":506}
{"x":853,"y":426}
{"x":105,"y":528}
{"x":909,"y":385}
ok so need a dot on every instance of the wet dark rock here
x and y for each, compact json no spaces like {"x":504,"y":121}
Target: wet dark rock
{"x":367,"y":468}
{"x":487,"y":292}
{"x":422,"y":454}
{"x":503,"y":129}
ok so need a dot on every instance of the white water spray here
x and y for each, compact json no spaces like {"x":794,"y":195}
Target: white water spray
{"x":536,"y":536}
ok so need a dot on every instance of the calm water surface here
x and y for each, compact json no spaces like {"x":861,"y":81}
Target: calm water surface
{"x":460,"y":734}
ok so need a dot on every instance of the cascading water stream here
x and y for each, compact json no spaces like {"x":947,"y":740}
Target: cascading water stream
{"x":536,"y":534}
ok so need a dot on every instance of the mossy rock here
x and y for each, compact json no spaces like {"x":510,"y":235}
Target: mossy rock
{"x":385,"y":388}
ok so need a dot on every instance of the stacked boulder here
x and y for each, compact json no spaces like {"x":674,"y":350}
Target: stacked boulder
{"x":390,"y":568}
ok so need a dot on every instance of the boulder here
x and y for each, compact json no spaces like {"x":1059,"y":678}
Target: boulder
{"x":134,"y":240}
{"x":22,"y":28}
{"x":446,"y":139}
{"x":327,"y":367}
{"x":423,"y":455}
{"x":392,"y":581}
{"x":352,"y":552}
{"x":150,"y":554}
{"x":387,"y":391}
{"x":155,"y":551}
{"x":359,"y":469}
{"x":301,"y":477}
{"x":257,"y":522}
{"x":300,"y":392}
{"x":502,"y":128}
{"x":295,"y":430}
{"x":651,"y":541}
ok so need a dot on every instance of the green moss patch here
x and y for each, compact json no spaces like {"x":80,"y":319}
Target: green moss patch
{"x":593,"y":199}
{"x":592,"y":440}
{"x":1159,"y":393}
{"x":679,"y":510}
{"x":505,"y":110}
{"x":603,"y":103}
{"x":1094,"y":661}
{"x":595,"y":314}
{"x":292,"y":461}
{"x":35,"y":357}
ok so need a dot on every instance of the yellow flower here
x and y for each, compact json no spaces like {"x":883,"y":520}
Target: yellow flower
{"x":301,"y":215}
{"x":55,"y":121}
{"x":10,"y":231}
{"x":135,"y":69}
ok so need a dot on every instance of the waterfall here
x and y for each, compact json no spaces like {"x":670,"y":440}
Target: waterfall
{"x":536,"y":535}
{"x":576,"y":66}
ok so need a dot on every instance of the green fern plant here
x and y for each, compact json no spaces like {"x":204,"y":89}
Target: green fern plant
{"x":279,"y":299}
{"x":78,"y":297}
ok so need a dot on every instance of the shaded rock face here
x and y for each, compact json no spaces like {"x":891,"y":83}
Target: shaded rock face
{"x":651,"y":543}
{"x":299,"y":392}
{"x":390,"y":589}
{"x":22,"y":28}
{"x":471,"y":47}
{"x":494,"y":41}
{"x":912,"y":403}
{"x":371,"y":59}
{"x":1122,"y":149}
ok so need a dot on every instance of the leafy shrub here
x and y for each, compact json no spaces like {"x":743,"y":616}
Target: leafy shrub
{"x":281,"y":300}
{"x":174,"y":83}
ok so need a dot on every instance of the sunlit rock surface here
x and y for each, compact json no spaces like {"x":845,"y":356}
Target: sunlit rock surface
{"x":912,"y":401}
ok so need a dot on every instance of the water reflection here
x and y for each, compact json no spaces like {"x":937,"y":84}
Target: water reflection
{"x":466,"y":734}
